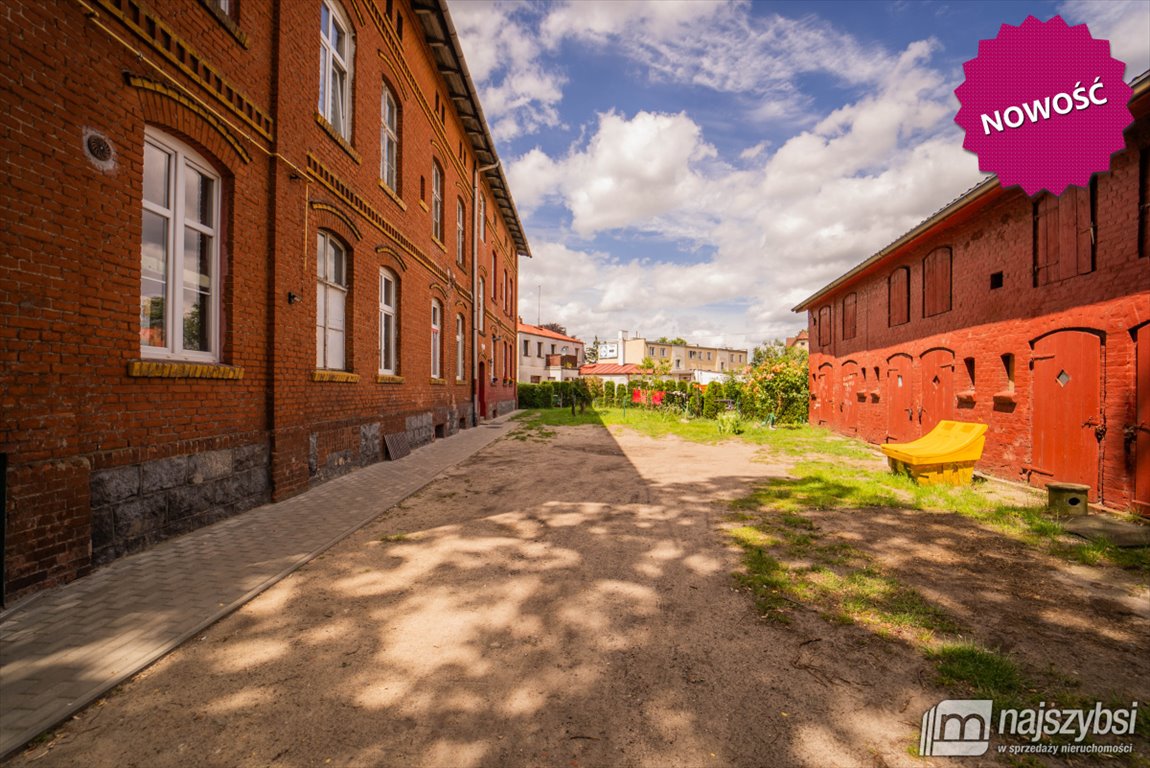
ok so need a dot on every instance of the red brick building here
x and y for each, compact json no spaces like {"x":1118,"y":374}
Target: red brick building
{"x":1032,"y":316}
{"x":244,"y":243}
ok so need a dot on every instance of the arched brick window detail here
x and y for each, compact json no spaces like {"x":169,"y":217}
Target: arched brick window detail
{"x":936,"y":282}
{"x":826,"y":331}
{"x":898,"y":296}
{"x":850,"y":316}
{"x":332,"y":288}
{"x":180,"y":252}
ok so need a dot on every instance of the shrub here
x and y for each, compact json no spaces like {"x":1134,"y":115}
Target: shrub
{"x":609,"y":392}
{"x":594,"y":386}
{"x":711,"y":398}
{"x":695,"y":402}
{"x":545,"y":395}
{"x":730,"y":423}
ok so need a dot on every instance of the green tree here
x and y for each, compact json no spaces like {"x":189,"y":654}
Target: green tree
{"x":591,"y":352}
{"x":768,"y":351}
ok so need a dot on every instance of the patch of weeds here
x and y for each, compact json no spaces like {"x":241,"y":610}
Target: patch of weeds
{"x":768,"y":581}
{"x":560,"y":417}
{"x":834,"y":577}
{"x":394,"y":537}
{"x":969,"y":667}
{"x":823,"y":485}
{"x":531,"y":429}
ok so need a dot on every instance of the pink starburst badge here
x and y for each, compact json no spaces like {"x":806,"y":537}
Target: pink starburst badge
{"x":1044,"y":105}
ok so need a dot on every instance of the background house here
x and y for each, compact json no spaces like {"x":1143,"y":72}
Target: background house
{"x":1032,"y":316}
{"x":254,"y":245}
{"x":684,"y":359}
{"x":547,"y":355}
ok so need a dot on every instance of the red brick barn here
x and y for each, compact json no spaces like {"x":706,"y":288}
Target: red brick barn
{"x":244,"y":242}
{"x":1030,"y":315}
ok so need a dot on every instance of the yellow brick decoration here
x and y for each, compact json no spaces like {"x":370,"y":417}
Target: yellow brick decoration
{"x":148,"y":369}
{"x":340,"y":377}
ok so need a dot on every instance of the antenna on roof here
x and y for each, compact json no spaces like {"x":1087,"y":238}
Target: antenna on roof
{"x":539,"y":304}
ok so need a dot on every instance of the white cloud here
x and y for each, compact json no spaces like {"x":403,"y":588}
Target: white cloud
{"x":1125,"y":23}
{"x":720,"y":46}
{"x":778,"y":223}
{"x":629,"y":172}
{"x":519,"y":93}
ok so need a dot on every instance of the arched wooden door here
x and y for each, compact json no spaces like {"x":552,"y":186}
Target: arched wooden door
{"x":1142,"y":422}
{"x":851,"y":385}
{"x":901,"y":424}
{"x":825,"y":387}
{"x":937,"y":388}
{"x":1067,"y":423}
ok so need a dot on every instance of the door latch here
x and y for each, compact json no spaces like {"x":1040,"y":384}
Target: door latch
{"x":1099,"y":428}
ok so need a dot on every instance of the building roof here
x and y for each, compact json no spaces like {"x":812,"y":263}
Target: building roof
{"x":608,"y":369}
{"x":800,"y":336}
{"x":969,"y":202}
{"x":537,"y":331}
{"x":439,"y":31}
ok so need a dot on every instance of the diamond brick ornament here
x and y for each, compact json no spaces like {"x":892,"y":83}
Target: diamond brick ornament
{"x":1044,"y":105}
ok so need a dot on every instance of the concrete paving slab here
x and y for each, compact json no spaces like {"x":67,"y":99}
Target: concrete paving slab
{"x":1119,"y":532}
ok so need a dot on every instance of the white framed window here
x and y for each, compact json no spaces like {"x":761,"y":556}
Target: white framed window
{"x":436,"y":201}
{"x":179,"y":252}
{"x":388,"y":304}
{"x":335,"y":67}
{"x":436,"y":339}
{"x":331,"y":303}
{"x":460,"y":221}
{"x":482,"y":291}
{"x":389,"y":141}
{"x":460,"y":349}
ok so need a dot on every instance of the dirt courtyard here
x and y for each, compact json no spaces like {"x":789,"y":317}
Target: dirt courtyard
{"x":567,"y":599}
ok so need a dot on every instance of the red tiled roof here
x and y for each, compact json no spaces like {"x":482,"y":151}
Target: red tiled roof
{"x":608,"y":369}
{"x":536,"y":330}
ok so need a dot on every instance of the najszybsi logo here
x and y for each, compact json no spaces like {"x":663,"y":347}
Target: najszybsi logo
{"x":962,"y":727}
{"x":956,"y":727}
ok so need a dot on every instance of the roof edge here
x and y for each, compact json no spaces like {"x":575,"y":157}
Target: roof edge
{"x":500,"y":188}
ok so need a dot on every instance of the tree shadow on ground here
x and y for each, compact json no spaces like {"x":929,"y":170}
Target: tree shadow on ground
{"x":558,"y":601}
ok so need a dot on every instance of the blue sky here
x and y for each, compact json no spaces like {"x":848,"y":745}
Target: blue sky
{"x":695,"y":168}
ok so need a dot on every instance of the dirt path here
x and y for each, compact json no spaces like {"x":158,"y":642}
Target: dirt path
{"x":566,"y":602}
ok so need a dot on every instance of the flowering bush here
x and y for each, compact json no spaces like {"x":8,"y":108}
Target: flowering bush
{"x":778,"y":385}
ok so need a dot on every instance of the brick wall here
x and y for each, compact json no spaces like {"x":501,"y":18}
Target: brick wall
{"x":90,"y":426}
{"x":996,"y":310}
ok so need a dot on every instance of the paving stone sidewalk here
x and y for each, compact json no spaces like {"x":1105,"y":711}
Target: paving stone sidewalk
{"x":64,"y":648}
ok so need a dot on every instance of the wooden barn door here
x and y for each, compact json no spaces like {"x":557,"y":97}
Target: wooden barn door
{"x":937,"y":388}
{"x":824,"y":394}
{"x":848,"y":413}
{"x":1067,"y":422}
{"x":1142,"y":423}
{"x":901,"y":424}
